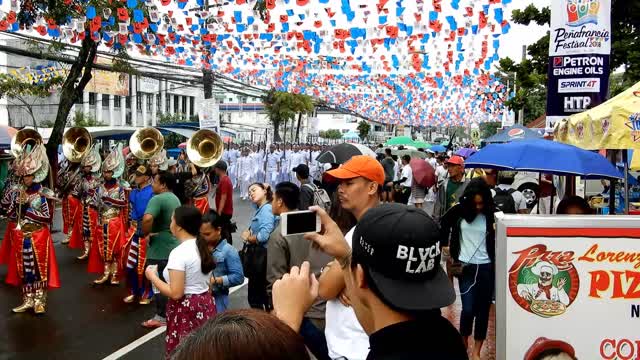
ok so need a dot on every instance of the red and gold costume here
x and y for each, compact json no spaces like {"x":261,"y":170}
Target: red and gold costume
{"x":113,"y":204}
{"x":200,"y":192}
{"x":68,"y":178}
{"x":88,"y":189}
{"x":35,"y":259}
{"x":8,"y":201}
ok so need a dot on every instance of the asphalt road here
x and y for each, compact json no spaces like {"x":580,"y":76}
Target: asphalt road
{"x":84,"y":321}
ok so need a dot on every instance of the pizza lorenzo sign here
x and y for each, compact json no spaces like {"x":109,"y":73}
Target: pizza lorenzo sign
{"x":573,"y":281}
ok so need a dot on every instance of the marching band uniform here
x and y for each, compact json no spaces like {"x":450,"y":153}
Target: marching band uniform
{"x":201,"y":192}
{"x":158,"y":162}
{"x":71,"y":207}
{"x":272,"y":169}
{"x":88,"y":190}
{"x":9,"y":199}
{"x":245,"y":169}
{"x":34,"y":253}
{"x":136,"y":248}
{"x":112,"y":205}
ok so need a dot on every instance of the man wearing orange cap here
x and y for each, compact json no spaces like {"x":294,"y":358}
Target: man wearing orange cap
{"x":361,"y":180}
{"x":453,"y":187}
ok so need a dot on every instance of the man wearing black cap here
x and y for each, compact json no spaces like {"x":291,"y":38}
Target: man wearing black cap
{"x":394,"y":280}
{"x":306,"y":188}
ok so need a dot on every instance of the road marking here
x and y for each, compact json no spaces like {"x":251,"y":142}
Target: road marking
{"x":135,"y":344}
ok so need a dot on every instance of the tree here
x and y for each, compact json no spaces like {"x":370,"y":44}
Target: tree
{"x":363,"y":129}
{"x":280,"y":107}
{"x":488,"y":129}
{"x":26,"y":93}
{"x":331,"y":134}
{"x":171,"y":140}
{"x":301,"y":104}
{"x":70,"y":14}
{"x":85,"y":120}
{"x":531,"y":73}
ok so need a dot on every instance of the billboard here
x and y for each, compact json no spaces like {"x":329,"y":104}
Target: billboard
{"x":579,"y":51}
{"x":209,"y":115}
{"x":108,"y":82}
{"x":148,"y":85}
{"x":571,"y":284}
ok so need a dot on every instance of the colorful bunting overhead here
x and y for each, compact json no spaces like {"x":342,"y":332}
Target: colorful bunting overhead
{"x":413,"y":62}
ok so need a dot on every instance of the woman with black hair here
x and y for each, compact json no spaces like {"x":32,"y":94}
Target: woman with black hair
{"x":188,"y":274}
{"x":469,"y":226}
{"x":255,"y":245}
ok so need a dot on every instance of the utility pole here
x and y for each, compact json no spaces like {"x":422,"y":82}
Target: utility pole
{"x":207,"y":74}
{"x":521,"y":112}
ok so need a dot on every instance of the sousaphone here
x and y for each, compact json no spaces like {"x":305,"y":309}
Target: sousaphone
{"x":76,"y":143}
{"x":146,"y":142}
{"x":205,"y":148}
{"x":23,"y":138}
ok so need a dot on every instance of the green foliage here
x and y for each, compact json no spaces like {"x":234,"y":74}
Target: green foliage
{"x":531,"y":74}
{"x":11,"y":86}
{"x":172,"y":140}
{"x":331,"y":134}
{"x":488,"y":129}
{"x":47,"y":123}
{"x":85,"y":120}
{"x":283,"y":106}
{"x":363,"y":129}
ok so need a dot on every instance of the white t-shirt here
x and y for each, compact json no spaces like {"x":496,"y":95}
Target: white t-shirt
{"x":185,"y":257}
{"x":432,"y":162}
{"x":518,"y":198}
{"x":408,"y":174}
{"x":473,"y":248}
{"x":345,"y":336}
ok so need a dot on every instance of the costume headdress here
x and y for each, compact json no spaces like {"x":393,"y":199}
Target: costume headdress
{"x":92,"y":159}
{"x":114,"y":162}
{"x":160,"y":159}
{"x":34,"y":162}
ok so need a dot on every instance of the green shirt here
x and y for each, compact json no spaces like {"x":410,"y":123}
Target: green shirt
{"x":161,"y":207}
{"x":452,"y":189}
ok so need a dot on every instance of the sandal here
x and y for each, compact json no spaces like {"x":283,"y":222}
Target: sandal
{"x":153,"y":324}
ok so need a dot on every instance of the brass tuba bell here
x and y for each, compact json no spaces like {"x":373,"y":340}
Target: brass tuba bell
{"x":76,"y":143}
{"x":204,"y":148}
{"x":23,"y":138}
{"x":146,"y":142}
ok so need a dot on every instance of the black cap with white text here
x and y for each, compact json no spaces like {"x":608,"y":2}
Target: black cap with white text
{"x":400,"y":248}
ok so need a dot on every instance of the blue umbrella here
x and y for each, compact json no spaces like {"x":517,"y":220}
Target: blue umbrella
{"x":438,"y":148}
{"x":543,"y":156}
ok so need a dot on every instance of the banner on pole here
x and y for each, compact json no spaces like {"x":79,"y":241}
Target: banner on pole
{"x":209,"y":115}
{"x":579,"y":51}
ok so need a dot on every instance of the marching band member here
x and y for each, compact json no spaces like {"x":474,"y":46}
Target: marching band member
{"x":35,"y":256}
{"x":112,"y":204}
{"x":245,"y":169}
{"x":198,"y":189}
{"x":272,"y":167}
{"x":71,"y":209}
{"x":158,"y":162}
{"x":9,"y":198}
{"x":136,"y":247}
{"x":87,"y":188}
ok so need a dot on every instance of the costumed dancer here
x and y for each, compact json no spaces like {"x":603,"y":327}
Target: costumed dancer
{"x":88,"y":190}
{"x":68,"y":177}
{"x":37,"y":269}
{"x":136,"y":247}
{"x":158,"y":162}
{"x":112,"y":205}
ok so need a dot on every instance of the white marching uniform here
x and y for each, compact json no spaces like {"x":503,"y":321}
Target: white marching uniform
{"x":285,"y":165}
{"x":272,"y":169}
{"x":315,"y":166}
{"x":297,"y":158}
{"x":232,"y":162}
{"x":245,"y":171}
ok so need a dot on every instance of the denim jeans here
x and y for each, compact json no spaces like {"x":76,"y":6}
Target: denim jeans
{"x":314,"y":339}
{"x":476,"y":290}
{"x":160,"y":300}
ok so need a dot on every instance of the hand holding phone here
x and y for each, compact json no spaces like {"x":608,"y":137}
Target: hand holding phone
{"x":299,"y":222}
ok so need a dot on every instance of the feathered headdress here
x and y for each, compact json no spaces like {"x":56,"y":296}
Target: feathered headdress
{"x":114,"y":162}
{"x":33,"y":162}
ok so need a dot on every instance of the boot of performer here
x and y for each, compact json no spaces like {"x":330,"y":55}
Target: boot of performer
{"x":105,"y":276}
{"x":67,"y":239}
{"x":27,"y":299}
{"x":85,"y":254}
{"x":114,"y":274}
{"x":40,"y":301}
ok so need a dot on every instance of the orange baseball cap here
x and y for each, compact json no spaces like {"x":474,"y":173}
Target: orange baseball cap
{"x":360,"y":166}
{"x":455,"y":160}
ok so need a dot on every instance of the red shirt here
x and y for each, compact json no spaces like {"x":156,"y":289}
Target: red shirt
{"x":225,"y":187}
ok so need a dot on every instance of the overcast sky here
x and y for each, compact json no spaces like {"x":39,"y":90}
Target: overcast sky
{"x":511,"y":44}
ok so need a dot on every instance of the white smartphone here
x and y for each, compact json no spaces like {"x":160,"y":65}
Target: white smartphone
{"x":299,"y":222}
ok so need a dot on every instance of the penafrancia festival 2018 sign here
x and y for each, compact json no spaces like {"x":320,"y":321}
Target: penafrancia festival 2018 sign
{"x":579,"y":50}
{"x":570,"y":285}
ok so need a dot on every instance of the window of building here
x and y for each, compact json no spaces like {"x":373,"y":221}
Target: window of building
{"x":116,"y":101}
{"x":185,"y":103}
{"x":176,"y":109}
{"x":105,"y":101}
{"x":139,"y":100}
{"x":92,"y":98}
{"x":158,"y":103}
{"x":230,"y":100}
{"x":192,"y":104}
{"x":150,"y":102}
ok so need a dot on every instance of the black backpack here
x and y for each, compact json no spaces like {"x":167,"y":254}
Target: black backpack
{"x":504,"y":201}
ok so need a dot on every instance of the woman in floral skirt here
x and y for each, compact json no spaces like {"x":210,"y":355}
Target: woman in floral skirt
{"x":188,"y":272}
